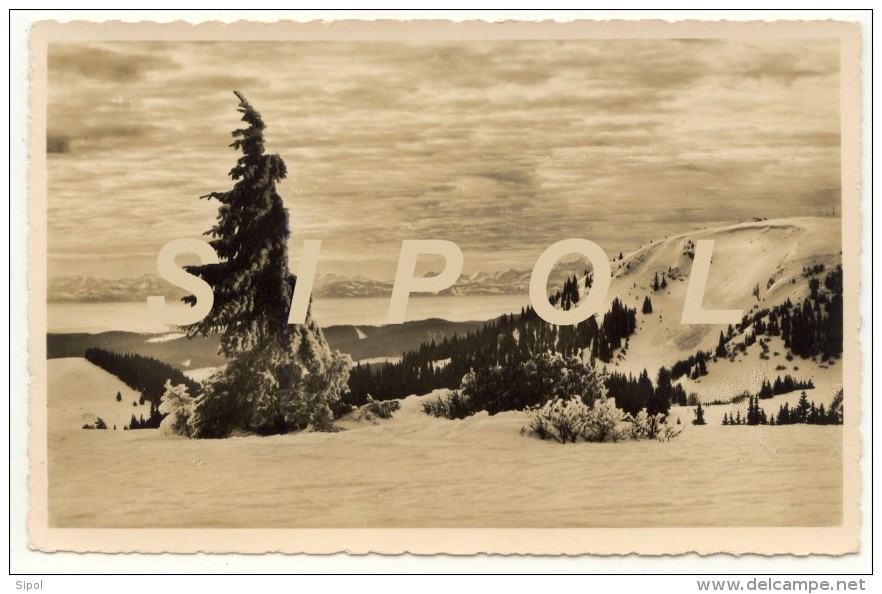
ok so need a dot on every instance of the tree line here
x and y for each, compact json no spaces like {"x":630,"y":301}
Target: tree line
{"x":804,"y":413}
{"x":507,"y":341}
{"x":783,"y":386}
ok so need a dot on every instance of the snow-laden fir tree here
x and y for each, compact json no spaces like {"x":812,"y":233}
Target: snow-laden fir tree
{"x":699,"y":415}
{"x":176,"y":405}
{"x":279,"y":377}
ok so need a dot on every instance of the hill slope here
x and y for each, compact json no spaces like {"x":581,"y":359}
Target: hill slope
{"x":770,"y":255}
{"x":80,"y":392}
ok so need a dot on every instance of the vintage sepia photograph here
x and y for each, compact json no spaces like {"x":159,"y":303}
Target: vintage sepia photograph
{"x":526,"y":287}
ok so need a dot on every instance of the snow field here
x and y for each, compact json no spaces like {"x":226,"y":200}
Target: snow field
{"x":417,"y":471}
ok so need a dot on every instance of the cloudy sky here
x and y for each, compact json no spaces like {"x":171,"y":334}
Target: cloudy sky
{"x":502,"y":147}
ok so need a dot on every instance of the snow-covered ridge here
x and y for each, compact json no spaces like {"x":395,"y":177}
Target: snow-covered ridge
{"x":756,"y":265}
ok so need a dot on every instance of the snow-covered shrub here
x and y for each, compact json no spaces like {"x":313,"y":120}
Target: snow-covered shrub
{"x":670,"y":432}
{"x":603,"y":421}
{"x":551,"y":375}
{"x":546,"y":377}
{"x":574,"y":400}
{"x":376,"y":409}
{"x":647,"y":426}
{"x":562,"y":419}
{"x":540,"y":425}
{"x":177,"y":404}
{"x":566,"y":420}
{"x":455,"y":406}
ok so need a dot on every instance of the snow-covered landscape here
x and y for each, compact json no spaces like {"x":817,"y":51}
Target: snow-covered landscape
{"x":557,"y":283}
{"x":415,"y":470}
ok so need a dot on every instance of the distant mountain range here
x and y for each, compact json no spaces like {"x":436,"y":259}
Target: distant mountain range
{"x":90,"y":289}
{"x":336,"y":285}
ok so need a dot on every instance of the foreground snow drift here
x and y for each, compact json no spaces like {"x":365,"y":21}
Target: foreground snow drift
{"x":417,"y":471}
